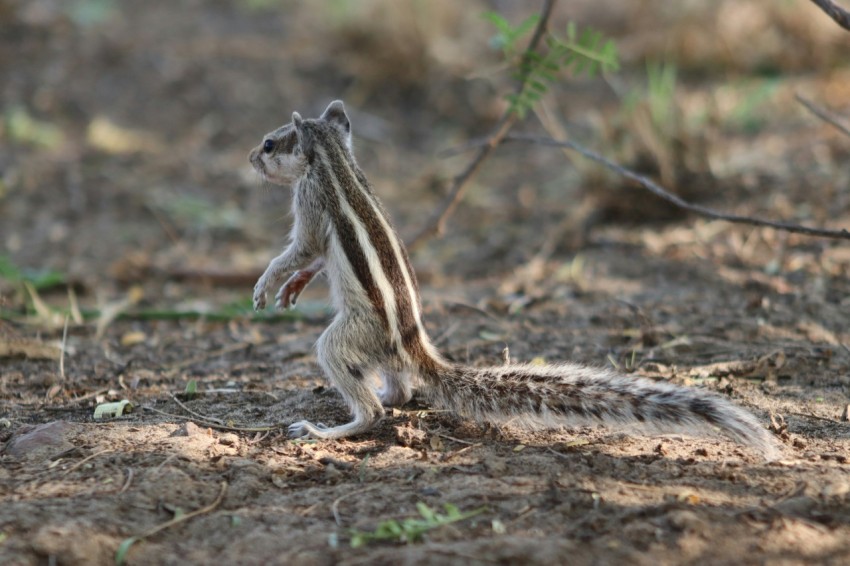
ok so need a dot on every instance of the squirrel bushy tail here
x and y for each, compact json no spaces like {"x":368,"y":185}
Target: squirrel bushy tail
{"x":570,"y":394}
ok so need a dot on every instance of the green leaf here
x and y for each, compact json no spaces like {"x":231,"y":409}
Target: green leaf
{"x":497,"y":20}
{"x":425,"y":511}
{"x":526,"y":25}
{"x":538,"y":86}
{"x":123,"y":549}
{"x":452,"y":510}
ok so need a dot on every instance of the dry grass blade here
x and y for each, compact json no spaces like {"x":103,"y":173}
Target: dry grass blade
{"x":111,"y":311}
{"x":64,"y":347}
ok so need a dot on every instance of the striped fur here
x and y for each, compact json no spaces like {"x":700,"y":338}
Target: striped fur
{"x":341,"y":227}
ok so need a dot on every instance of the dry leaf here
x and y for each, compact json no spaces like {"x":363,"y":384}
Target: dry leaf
{"x":133,"y":338}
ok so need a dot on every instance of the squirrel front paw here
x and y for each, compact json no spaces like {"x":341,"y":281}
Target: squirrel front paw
{"x":260,"y":295}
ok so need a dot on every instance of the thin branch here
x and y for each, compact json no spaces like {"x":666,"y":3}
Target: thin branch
{"x":437,"y":223}
{"x":824,"y":115}
{"x":660,"y":192}
{"x":837,"y":13}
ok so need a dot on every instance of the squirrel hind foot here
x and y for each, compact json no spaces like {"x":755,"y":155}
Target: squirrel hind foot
{"x":306,"y":429}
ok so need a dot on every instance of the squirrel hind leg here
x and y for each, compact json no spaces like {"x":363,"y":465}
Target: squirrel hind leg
{"x":355,"y":385}
{"x":343,"y":363}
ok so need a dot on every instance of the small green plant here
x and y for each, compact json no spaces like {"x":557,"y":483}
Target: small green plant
{"x":191,"y":389}
{"x":40,"y":279}
{"x":584,"y":52}
{"x":412,"y":530}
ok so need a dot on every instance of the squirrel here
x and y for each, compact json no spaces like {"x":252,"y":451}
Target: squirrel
{"x":341,"y":227}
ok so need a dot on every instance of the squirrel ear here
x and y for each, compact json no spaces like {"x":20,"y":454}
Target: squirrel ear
{"x":296,"y":120}
{"x":335,"y":114}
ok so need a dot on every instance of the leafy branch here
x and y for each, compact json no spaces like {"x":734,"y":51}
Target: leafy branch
{"x":584,"y":52}
{"x":436,"y":224}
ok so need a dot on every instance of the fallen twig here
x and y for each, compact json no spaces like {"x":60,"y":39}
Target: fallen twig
{"x":815,"y":417}
{"x":128,"y":481}
{"x":181,"y":518}
{"x":338,"y":500}
{"x":84,"y":460}
{"x":212,"y":424}
{"x":436,"y":224}
{"x":124,"y":547}
{"x":193,"y":413}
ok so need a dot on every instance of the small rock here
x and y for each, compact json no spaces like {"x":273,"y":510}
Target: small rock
{"x":40,"y":441}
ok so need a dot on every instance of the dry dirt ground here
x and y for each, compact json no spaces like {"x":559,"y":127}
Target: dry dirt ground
{"x":124,"y":181}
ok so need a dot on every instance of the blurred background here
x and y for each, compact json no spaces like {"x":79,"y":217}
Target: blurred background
{"x":124,"y":130}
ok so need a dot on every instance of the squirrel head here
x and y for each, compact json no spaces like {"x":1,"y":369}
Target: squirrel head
{"x":286,"y":153}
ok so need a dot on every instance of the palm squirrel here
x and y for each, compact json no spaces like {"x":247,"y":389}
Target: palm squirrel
{"x":341,"y":226}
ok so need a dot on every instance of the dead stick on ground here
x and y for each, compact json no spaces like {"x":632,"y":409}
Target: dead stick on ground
{"x":338,"y":500}
{"x":129,"y":480}
{"x":837,"y":13}
{"x":213,"y":425}
{"x":84,"y":460}
{"x":124,"y":547}
{"x":181,"y":518}
{"x":827,"y":117}
{"x":193,"y":413}
{"x":809,"y":416}
{"x":658,"y":191}
{"x":437,"y":223}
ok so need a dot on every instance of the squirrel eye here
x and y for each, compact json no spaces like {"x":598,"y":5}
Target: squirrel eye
{"x":268,"y":146}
